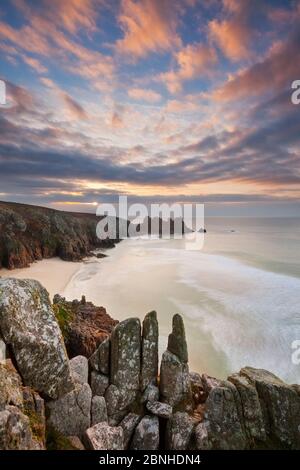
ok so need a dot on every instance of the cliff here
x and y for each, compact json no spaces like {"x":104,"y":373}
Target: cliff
{"x":30,"y":233}
{"x":117,"y":398}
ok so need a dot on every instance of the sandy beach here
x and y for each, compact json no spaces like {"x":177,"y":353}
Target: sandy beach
{"x":54,"y":274}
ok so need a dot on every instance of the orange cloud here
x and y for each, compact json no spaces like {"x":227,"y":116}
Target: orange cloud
{"x":148,"y":25}
{"x":233,"y":35}
{"x":193,"y":61}
{"x":76,"y":14}
{"x":70,"y":15}
{"x":232,"y":38}
{"x":274,"y":72}
{"x":176,"y":106}
{"x":41,"y":37}
{"x":35,"y":64}
{"x":141,"y":94}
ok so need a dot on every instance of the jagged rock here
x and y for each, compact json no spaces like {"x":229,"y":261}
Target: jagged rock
{"x":177,"y":341}
{"x":146,"y":435}
{"x":99,"y":411}
{"x":29,"y":404}
{"x":84,"y":325}
{"x":112,"y":397}
{"x":162,"y":410}
{"x":15,"y":430}
{"x":198,"y":393}
{"x":149,"y":367}
{"x":150,"y":394}
{"x":76,"y":443}
{"x":70,"y":414}
{"x":29,"y":233}
{"x":223,"y":427}
{"x":126,"y":360}
{"x":10,"y":386}
{"x":252,"y":413}
{"x":116,"y":418}
{"x":104,"y":437}
{"x":99,"y":361}
{"x":202,"y":436}
{"x":179,"y":431}
{"x":128,"y":424}
{"x":79,"y":369}
{"x":99,"y":383}
{"x":280,"y":405}
{"x":34,"y":408}
{"x":28,"y":325}
{"x":175,"y":386}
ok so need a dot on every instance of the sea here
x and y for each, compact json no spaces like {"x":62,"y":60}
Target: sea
{"x":239,"y":295}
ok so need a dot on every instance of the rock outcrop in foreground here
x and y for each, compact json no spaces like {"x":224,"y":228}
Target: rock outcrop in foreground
{"x":117,"y":399}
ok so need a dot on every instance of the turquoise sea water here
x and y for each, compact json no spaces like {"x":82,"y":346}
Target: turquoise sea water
{"x":239,"y":295}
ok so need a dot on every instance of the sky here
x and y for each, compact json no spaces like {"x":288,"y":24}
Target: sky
{"x":159,"y":100}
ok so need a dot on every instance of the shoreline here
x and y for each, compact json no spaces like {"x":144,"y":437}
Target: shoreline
{"x":43,"y":271}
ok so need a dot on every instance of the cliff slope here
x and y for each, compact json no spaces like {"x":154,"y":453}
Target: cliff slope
{"x":30,"y":233}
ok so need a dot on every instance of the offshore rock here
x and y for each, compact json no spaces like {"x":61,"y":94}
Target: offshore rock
{"x":28,"y":325}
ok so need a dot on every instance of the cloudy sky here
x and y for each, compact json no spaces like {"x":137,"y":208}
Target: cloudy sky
{"x":160,"y":100}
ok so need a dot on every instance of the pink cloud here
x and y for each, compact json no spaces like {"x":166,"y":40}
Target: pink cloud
{"x":148,"y":25}
{"x":233,"y":34}
{"x":142,"y":94}
{"x":275,"y":72}
{"x":35,"y":64}
{"x":193,"y":61}
{"x":70,"y":15}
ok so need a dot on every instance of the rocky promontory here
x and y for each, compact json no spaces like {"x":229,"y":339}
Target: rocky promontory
{"x":31,"y":233}
{"x":117,"y":398}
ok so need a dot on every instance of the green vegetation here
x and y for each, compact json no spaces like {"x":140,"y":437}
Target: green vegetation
{"x":64,"y":317}
{"x":56,"y":441}
{"x":36,"y":424}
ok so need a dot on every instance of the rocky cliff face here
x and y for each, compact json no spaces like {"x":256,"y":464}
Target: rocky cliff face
{"x":30,"y":233}
{"x":117,"y":399}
